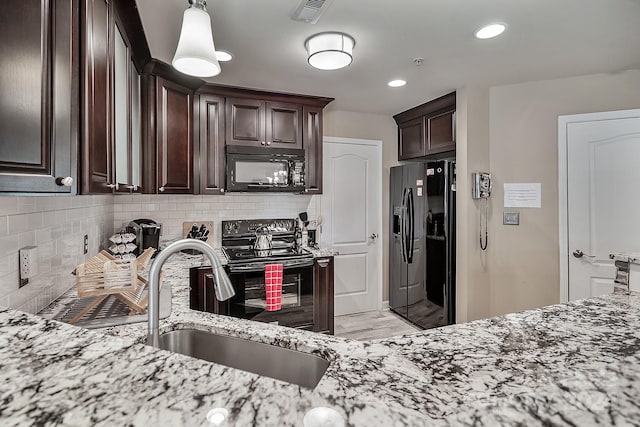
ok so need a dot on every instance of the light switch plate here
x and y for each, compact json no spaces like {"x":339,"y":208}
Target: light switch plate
{"x":511,"y":218}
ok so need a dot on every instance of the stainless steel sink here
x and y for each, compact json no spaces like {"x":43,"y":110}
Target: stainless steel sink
{"x":292,"y":366}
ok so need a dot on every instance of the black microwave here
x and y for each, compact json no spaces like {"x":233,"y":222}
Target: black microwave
{"x":258,"y":169}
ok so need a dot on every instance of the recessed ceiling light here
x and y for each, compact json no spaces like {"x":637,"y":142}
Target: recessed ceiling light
{"x":223,"y":55}
{"x":397,"y":83}
{"x":490,"y":31}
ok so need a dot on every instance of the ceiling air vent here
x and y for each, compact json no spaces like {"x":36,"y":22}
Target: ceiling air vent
{"x":309,"y":11}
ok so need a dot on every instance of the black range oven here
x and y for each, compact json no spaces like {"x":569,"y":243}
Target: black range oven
{"x":250,"y":300}
{"x":246,"y":269}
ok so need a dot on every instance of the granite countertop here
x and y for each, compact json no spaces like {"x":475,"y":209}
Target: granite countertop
{"x":569,"y":364}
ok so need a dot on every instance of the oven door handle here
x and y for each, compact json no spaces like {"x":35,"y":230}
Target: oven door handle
{"x":255,"y":268}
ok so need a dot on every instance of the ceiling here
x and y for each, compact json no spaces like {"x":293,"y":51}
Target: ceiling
{"x":544,"y":39}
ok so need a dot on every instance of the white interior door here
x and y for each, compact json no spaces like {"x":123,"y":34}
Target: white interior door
{"x":603,"y":203}
{"x":351,"y":207}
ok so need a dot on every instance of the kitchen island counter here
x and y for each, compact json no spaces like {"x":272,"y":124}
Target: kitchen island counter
{"x":570,"y":364}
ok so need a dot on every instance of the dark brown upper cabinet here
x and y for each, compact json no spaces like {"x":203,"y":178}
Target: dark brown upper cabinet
{"x":312,"y":131}
{"x":259,"y":122}
{"x":174,"y":138}
{"x":284,"y":125}
{"x":111,"y":102}
{"x":211,"y":144}
{"x":38,"y":127}
{"x":428,"y":129}
{"x":127,"y":134}
{"x":97,"y":153}
{"x":411,"y":139}
{"x":442,"y":132}
{"x":245,"y":121}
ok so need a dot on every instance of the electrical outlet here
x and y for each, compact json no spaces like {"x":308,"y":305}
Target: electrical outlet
{"x":28,"y":264}
{"x":86,"y":244}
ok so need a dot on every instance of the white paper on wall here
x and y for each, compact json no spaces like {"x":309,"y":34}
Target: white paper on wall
{"x":523,"y":195}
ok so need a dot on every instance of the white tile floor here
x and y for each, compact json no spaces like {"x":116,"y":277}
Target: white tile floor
{"x":372,"y":325}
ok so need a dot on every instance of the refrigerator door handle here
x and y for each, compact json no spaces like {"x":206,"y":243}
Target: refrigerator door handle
{"x":403,"y":220}
{"x":411,"y":215}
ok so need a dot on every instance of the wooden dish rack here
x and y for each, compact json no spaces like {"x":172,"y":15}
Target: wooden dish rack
{"x":104,"y":275}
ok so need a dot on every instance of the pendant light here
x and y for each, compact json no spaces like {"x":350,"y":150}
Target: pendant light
{"x":196,"y":53}
{"x":330,"y":51}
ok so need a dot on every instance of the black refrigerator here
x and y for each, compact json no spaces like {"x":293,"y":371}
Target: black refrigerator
{"x":422,"y":246}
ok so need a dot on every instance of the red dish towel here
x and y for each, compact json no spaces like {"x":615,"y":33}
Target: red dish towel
{"x":273,"y":286}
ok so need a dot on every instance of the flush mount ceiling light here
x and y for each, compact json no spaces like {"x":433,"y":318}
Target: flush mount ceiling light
{"x":330,"y":51}
{"x":397,"y":83}
{"x":490,"y":31}
{"x":196,"y":54}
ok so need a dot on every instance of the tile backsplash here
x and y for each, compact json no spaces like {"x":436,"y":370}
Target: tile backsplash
{"x":56,"y":225}
{"x":173,"y":210}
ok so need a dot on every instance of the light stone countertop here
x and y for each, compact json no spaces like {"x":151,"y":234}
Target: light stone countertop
{"x":568,"y":364}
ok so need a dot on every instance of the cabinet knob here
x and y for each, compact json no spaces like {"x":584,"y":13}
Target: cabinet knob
{"x":268,"y":142}
{"x":263,"y":143}
{"x":222,"y":190}
{"x":161,"y":189}
{"x":306,"y":190}
{"x":64,"y":182}
{"x":115,"y":186}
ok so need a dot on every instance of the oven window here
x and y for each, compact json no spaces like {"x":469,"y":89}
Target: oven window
{"x":250,"y":300}
{"x":256,"y":295}
{"x":276,"y":173}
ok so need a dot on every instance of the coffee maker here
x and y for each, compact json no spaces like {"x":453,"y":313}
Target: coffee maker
{"x":147,"y":233}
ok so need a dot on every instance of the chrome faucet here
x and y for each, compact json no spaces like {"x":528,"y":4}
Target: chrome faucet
{"x":221,"y":283}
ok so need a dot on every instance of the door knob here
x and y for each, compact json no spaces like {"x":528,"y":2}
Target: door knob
{"x":373,"y":236}
{"x":64,"y":182}
{"x":161,"y":189}
{"x":579,"y":254}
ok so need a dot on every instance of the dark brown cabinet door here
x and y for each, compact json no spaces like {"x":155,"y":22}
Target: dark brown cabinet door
{"x":174,"y":137}
{"x":312,"y":144}
{"x":212,"y":156}
{"x":411,"y":139}
{"x":38,"y":136}
{"x":283,"y":125}
{"x":442,"y":133}
{"x":323,"y":295}
{"x":97,"y":112}
{"x":245,"y":121}
{"x":201,"y":294}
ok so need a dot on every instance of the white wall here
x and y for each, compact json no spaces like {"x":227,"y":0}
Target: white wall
{"x":524,"y":260}
{"x":472,"y":155}
{"x":57,"y":225}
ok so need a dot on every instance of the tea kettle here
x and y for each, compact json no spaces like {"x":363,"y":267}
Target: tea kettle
{"x":263,"y":239}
